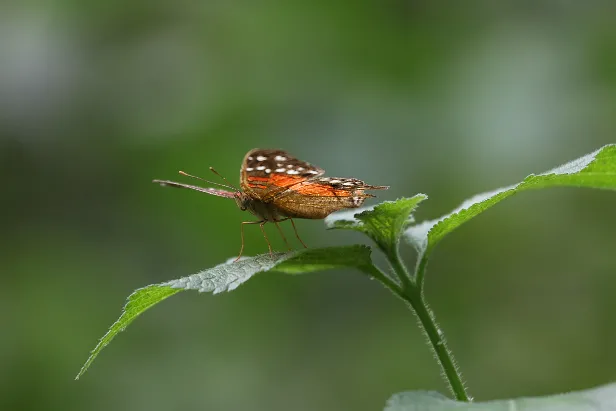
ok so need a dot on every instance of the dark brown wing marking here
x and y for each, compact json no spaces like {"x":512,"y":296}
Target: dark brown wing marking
{"x":266,"y":172}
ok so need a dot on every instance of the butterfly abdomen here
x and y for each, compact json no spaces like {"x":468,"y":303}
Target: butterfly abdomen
{"x":320,"y":206}
{"x":265,"y":211}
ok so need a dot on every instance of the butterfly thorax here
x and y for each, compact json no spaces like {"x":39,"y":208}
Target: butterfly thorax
{"x":265,"y":211}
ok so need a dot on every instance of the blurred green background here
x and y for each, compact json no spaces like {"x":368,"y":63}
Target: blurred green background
{"x":448,"y":99}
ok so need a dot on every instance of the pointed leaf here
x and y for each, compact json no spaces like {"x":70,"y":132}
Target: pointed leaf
{"x":595,"y":170}
{"x":596,"y":399}
{"x":139,"y":301}
{"x":228,"y":276}
{"x":383,"y":223}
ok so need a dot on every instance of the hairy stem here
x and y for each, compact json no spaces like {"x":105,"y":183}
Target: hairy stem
{"x":393,"y":256}
{"x":420,"y":270}
{"x":438,"y":343}
{"x":412,"y":293}
{"x":384,"y":279}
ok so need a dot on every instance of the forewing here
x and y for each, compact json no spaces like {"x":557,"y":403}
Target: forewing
{"x":212,"y":191}
{"x":318,"y":197}
{"x":266,"y":173}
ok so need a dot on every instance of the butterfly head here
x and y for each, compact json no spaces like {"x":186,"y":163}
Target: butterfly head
{"x":264,"y":211}
{"x":242,"y":200}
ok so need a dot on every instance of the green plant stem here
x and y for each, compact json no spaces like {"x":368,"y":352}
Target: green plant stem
{"x":379,"y":275}
{"x":438,"y":343}
{"x":412,"y":293}
{"x":393,"y":256}
{"x":420,"y":270}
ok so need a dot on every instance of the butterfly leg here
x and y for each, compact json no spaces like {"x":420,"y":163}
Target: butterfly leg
{"x":265,"y":235}
{"x":296,"y":234}
{"x":242,"y":234}
{"x":282,"y":234}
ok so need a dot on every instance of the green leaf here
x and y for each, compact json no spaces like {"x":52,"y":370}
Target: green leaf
{"x":319,"y":259}
{"x":139,"y":301}
{"x":383,"y":223}
{"x":595,"y":170}
{"x":228,"y":276}
{"x":596,"y":399}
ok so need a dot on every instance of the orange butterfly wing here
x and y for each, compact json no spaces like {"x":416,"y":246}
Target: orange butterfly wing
{"x":266,"y":173}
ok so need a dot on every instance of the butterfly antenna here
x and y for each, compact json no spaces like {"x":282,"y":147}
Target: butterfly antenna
{"x":207,"y":181}
{"x":219,"y":175}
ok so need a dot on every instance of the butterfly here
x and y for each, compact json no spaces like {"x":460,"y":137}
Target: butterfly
{"x":275,"y":187}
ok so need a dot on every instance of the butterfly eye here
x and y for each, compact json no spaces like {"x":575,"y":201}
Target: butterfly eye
{"x":241,"y":201}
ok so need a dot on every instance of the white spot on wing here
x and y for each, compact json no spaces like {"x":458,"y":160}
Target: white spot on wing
{"x":292,"y":172}
{"x":280,"y":170}
{"x":249,"y":169}
{"x":261,"y":158}
{"x":250,"y":158}
{"x":300,"y":168}
{"x":261,"y":168}
{"x":313,"y":172}
{"x":289,"y":165}
{"x":335,"y":181}
{"x":348,"y":184}
{"x":280,"y":158}
{"x":267,"y":170}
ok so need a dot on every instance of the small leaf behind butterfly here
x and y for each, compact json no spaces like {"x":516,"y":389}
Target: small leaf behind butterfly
{"x":384,"y":223}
